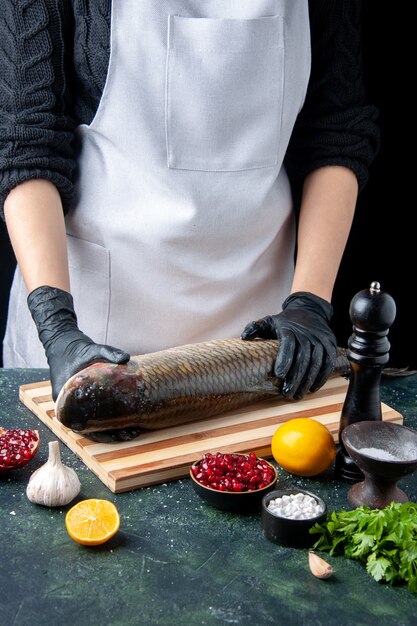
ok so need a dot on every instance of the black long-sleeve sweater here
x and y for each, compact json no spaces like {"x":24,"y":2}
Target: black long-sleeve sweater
{"x":53,"y":62}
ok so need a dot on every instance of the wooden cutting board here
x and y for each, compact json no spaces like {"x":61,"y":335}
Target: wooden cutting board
{"x":163,"y":455}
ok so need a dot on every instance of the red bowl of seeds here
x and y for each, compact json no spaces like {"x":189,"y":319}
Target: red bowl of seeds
{"x":233,"y":482}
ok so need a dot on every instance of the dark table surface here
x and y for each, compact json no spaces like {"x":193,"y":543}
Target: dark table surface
{"x":176,"y":560}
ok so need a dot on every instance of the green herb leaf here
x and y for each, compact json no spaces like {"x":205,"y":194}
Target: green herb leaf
{"x":377,"y":567}
{"x":363,"y":542}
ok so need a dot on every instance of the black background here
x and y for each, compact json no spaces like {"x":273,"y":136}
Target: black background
{"x":381,"y":243}
{"x":383,"y":239}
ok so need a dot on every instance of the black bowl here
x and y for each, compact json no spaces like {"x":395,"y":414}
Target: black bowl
{"x":235,"y":502}
{"x":286,"y":531}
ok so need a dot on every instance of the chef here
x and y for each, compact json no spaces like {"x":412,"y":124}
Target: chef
{"x":148,"y":157}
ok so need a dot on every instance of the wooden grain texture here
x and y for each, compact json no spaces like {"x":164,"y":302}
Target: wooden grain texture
{"x":163,"y":455}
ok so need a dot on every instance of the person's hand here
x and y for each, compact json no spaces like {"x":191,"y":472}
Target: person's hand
{"x":307,"y":350}
{"x":67,"y":349}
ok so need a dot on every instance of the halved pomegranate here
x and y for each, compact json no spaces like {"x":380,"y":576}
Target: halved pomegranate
{"x":17,"y":447}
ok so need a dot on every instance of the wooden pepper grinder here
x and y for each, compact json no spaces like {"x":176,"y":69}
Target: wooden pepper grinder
{"x":372,"y":312}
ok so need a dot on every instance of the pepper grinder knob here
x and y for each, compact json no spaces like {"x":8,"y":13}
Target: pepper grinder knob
{"x":372,"y":313}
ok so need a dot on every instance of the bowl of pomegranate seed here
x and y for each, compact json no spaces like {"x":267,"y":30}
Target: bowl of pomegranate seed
{"x":233,"y":482}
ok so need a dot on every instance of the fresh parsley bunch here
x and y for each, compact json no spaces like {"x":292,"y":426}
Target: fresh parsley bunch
{"x":383,"y":539}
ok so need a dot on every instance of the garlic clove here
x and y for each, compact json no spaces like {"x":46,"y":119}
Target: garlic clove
{"x":53,"y":484}
{"x":319,"y":567}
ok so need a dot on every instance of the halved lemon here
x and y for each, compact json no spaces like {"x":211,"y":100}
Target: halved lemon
{"x":92,"y":522}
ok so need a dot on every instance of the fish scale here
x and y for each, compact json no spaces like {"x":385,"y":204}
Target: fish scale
{"x":173,"y":386}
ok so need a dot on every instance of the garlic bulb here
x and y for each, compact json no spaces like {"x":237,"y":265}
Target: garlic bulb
{"x":53,"y":484}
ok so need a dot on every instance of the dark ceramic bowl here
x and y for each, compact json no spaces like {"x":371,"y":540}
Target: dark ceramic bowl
{"x":235,"y":502}
{"x":385,"y":452}
{"x":286,"y":531}
{"x":398,"y":443}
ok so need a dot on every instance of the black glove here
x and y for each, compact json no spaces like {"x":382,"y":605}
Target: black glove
{"x":67,"y":349}
{"x":307,"y":351}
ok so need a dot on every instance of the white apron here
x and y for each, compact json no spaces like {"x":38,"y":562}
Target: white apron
{"x":183,"y":229}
